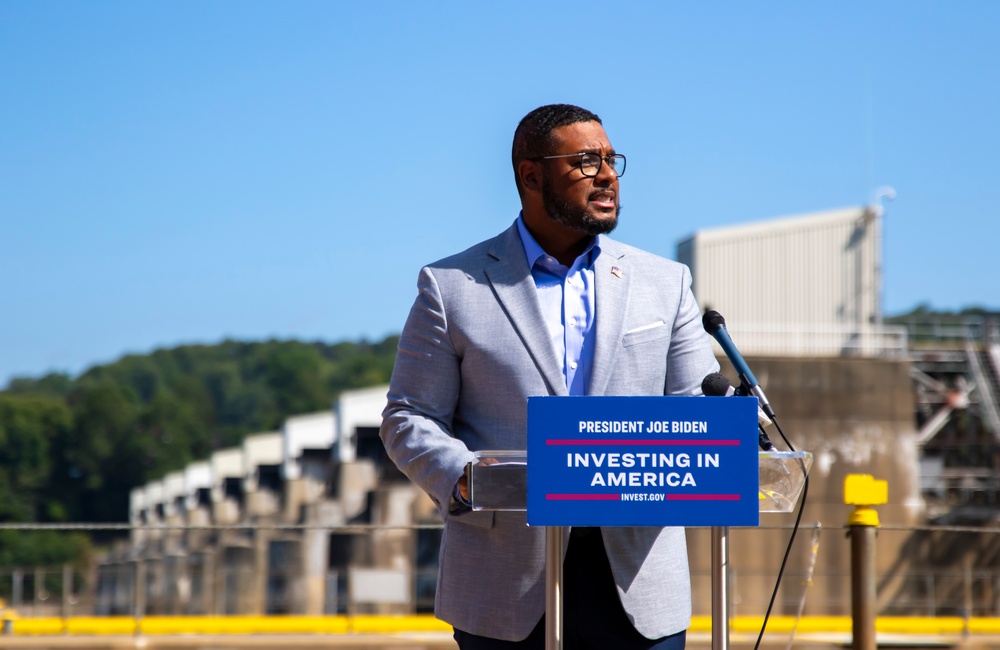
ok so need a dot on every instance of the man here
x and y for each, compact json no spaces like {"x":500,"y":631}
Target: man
{"x":551,"y":306}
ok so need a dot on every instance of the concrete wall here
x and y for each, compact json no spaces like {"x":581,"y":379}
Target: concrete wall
{"x":857,"y":417}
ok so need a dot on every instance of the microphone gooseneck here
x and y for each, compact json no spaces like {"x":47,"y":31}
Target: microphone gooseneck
{"x":716,"y":385}
{"x":715,"y":324}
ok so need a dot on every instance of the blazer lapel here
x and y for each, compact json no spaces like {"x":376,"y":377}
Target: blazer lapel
{"x":510,"y":277}
{"x":612,"y":277}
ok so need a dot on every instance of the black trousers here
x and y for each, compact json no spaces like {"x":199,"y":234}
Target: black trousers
{"x":593,"y":614}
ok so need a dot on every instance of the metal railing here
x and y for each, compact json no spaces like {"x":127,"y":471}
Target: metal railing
{"x":922,"y":571}
{"x":954,"y":331}
{"x":818,"y":341}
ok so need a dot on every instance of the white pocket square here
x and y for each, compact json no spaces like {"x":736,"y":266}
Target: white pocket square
{"x":645,"y":327}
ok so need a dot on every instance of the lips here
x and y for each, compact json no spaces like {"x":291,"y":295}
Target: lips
{"x":603,"y":199}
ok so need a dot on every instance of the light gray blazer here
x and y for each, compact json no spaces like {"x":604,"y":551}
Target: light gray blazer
{"x":473,"y":349}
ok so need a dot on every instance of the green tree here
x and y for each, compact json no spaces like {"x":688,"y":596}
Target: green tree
{"x":100,"y":453}
{"x":28,"y":427}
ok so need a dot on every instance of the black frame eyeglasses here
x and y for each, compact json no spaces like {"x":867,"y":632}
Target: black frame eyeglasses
{"x":590,"y":162}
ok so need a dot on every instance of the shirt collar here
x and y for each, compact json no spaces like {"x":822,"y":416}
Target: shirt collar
{"x":532,"y":249}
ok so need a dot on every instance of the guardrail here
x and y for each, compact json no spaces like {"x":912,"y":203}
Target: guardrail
{"x":938,"y":572}
{"x":819,"y":341}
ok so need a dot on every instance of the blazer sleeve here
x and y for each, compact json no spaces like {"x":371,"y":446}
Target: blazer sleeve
{"x":423,"y":394}
{"x":690,"y":357}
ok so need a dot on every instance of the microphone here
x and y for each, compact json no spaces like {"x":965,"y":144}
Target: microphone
{"x":716,"y":385}
{"x":715,"y":325}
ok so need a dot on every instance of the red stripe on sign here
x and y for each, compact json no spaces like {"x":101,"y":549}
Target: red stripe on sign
{"x":703,"y":497}
{"x":583,"y":497}
{"x":702,"y":443}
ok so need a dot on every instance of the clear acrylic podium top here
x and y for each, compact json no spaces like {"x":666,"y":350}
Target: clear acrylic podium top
{"x":498,"y":480}
{"x":782,"y":477}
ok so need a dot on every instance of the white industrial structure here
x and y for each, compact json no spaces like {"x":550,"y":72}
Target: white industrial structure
{"x":227,"y":475}
{"x":297,"y":491}
{"x":307,"y":435}
{"x":359,"y":412}
{"x":806,"y":285}
{"x":197,"y":485}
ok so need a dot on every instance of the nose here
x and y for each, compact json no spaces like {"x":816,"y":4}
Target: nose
{"x":607,"y":173}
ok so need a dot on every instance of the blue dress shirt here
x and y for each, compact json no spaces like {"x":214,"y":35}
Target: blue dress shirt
{"x":568,"y":307}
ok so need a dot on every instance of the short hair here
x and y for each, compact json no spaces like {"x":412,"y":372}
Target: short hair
{"x":533,"y":135}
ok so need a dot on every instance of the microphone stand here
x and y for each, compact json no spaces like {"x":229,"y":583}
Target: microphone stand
{"x":720,"y":588}
{"x":720,"y":572}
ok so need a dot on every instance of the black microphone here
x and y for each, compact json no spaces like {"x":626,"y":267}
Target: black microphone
{"x":715,"y":325}
{"x":716,"y":385}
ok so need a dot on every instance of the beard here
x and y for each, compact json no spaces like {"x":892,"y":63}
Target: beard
{"x":560,"y":211}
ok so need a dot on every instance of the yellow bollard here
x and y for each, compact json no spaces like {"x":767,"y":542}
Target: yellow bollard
{"x":862,"y":491}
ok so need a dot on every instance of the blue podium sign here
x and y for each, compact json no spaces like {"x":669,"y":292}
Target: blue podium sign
{"x":642,"y":461}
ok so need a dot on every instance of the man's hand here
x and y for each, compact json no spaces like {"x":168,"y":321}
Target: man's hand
{"x":463,"y":483}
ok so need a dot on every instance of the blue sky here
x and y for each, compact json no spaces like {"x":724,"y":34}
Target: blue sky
{"x":190,"y":171}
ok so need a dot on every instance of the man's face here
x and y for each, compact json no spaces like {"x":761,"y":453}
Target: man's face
{"x":587,"y":204}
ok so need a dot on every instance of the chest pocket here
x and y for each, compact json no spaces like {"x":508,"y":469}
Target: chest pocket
{"x":654,"y":332}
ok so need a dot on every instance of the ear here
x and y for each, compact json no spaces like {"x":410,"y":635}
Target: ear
{"x":530,"y":173}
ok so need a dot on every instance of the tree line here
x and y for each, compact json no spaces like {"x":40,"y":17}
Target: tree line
{"x":71,"y":449}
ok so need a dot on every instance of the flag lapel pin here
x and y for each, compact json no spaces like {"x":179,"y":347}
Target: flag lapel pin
{"x":617,"y":272}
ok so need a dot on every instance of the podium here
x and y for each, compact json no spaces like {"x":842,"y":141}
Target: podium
{"x":498,"y":480}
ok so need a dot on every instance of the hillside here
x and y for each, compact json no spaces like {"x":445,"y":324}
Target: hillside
{"x":71,"y":449}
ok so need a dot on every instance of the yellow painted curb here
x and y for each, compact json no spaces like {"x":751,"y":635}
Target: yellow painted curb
{"x":37,"y":626}
{"x":246,"y":625}
{"x":391,"y":624}
{"x":165,"y":625}
{"x":101,"y":625}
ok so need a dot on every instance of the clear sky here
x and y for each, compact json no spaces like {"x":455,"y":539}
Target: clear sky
{"x":176,"y":172}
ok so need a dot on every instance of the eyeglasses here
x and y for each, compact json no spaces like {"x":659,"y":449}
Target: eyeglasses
{"x":590,"y":163}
